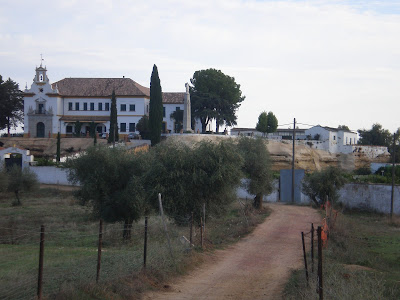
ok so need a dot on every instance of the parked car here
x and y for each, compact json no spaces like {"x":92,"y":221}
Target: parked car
{"x":134,"y":136}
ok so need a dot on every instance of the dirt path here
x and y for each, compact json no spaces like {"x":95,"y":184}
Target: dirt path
{"x":255,"y":268}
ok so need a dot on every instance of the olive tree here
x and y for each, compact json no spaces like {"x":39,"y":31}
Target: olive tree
{"x":21,"y":180}
{"x":188,"y":177}
{"x":111,"y":180}
{"x":256,"y":167}
{"x":323,"y":184}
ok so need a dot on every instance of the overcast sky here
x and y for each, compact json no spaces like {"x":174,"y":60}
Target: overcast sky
{"x":321,"y":62}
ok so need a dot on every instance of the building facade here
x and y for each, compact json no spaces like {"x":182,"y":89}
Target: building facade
{"x":50,"y":108}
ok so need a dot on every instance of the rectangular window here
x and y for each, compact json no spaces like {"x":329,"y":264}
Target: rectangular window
{"x":334,"y":137}
{"x":147,"y":108}
{"x":69,"y":105}
{"x":178,"y":108}
{"x":163,"y":111}
{"x":91,"y":106}
{"x":100,"y":106}
{"x":123,"y":127}
{"x":85,"y":106}
{"x":132,"y":107}
{"x":132,"y":127}
{"x":107,"y":106}
{"x":69,"y":129}
{"x":76,"y":105}
{"x":123,"y":107}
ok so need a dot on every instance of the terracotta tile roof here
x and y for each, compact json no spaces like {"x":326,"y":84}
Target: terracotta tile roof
{"x":173,"y":98}
{"x":100,"y":87}
{"x":102,"y":119}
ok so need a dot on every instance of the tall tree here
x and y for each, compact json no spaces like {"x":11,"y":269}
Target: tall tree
{"x":267,"y":123}
{"x":156,"y":108}
{"x":113,"y":136}
{"x":256,"y":167}
{"x":11,"y":104}
{"x":215,"y":95}
{"x":376,"y":136}
{"x":58,"y":154}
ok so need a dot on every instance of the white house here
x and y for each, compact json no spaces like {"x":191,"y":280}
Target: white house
{"x":52,"y":108}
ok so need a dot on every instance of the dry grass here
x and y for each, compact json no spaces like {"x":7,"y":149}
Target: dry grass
{"x":71,"y":249}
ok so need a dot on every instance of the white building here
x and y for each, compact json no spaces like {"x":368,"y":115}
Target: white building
{"x":52,"y":108}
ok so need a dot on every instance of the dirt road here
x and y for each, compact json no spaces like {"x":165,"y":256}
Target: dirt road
{"x":255,"y":268}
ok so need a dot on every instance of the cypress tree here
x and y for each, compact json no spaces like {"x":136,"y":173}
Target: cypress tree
{"x":113,"y":120}
{"x":58,"y":154}
{"x":156,"y":108}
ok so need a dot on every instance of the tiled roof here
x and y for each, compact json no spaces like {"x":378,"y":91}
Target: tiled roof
{"x":100,"y":87}
{"x":173,"y":98}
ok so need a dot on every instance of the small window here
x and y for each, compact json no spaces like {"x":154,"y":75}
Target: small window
{"x":163,"y":112}
{"x":132,"y":127}
{"x":69,"y":105}
{"x":123,"y":127}
{"x":123,"y":107}
{"x":178,"y":108}
{"x":69,"y":129}
{"x":107,"y":106}
{"x":85,"y":106}
{"x":100,"y":106}
{"x":76,"y":105}
{"x":132,"y":107}
{"x":91,"y":106}
{"x":147,"y":108}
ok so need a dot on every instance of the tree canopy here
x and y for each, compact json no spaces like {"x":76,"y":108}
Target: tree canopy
{"x":177,"y":116}
{"x":256,"y":167}
{"x":187,"y":177}
{"x":11,"y":104}
{"x":113,"y":185}
{"x":343,"y":127}
{"x":143,"y":127}
{"x":322,"y":184}
{"x":156,"y":107}
{"x":215,"y":95}
{"x":267,"y":123}
{"x":376,"y":136}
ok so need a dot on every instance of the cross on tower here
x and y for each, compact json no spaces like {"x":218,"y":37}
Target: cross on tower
{"x":41,"y":59}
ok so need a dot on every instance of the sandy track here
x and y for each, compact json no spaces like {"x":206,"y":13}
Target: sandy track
{"x":255,"y":268}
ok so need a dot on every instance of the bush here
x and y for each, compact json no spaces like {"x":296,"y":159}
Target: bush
{"x":21,"y":180}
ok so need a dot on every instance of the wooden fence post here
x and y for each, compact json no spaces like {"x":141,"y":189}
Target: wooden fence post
{"x":145,"y":243}
{"x":320,"y":281}
{"x":99,"y":250}
{"x":41,"y":257}
{"x":312,"y":247}
{"x":304,"y":255}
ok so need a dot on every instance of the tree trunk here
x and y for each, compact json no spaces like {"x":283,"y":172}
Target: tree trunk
{"x":8,"y":129}
{"x":216,"y":126}
{"x":203,"y":126}
{"x":258,"y":199}
{"x":17,"y":196}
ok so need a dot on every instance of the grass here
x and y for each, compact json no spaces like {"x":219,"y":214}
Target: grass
{"x":70,"y":257}
{"x":361,"y":261}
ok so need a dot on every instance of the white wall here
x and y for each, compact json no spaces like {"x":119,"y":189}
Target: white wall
{"x":51,"y":175}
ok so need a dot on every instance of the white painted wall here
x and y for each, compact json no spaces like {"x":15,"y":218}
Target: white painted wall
{"x":51,"y":175}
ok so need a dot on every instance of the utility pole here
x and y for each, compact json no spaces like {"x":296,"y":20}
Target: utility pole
{"x":393,"y":166}
{"x":294,"y":139}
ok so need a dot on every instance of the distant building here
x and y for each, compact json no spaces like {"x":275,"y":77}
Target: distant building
{"x":279,"y":134}
{"x":52,"y":108}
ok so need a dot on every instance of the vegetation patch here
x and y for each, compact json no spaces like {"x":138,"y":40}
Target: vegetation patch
{"x":361,"y":261}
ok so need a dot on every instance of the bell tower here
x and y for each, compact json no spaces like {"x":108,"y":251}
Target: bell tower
{"x":41,"y":76}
